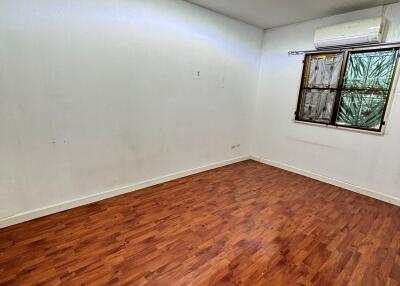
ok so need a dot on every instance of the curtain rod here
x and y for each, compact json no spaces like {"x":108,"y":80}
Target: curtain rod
{"x":340,"y":49}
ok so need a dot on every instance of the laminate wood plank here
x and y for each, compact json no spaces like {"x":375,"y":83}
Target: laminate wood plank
{"x":243,"y":224}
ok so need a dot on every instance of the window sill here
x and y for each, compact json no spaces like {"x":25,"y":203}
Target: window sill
{"x":344,"y":128}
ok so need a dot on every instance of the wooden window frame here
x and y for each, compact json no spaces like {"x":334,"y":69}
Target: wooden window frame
{"x":335,"y":110}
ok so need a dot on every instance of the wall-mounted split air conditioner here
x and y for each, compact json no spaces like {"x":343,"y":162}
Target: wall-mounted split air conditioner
{"x":367,"y":31}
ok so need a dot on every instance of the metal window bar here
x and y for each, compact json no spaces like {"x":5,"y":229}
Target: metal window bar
{"x":341,"y":88}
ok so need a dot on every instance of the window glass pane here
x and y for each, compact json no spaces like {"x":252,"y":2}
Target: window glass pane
{"x":359,"y":109}
{"x":323,"y":71}
{"x":370,"y":70}
{"x":317,"y":105}
{"x":352,"y":92}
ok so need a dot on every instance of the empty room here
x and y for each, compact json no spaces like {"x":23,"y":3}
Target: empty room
{"x":200,"y":142}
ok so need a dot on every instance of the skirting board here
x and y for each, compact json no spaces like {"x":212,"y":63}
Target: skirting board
{"x":344,"y":185}
{"x":29,"y":215}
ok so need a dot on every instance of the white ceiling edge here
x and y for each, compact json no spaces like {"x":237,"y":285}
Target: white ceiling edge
{"x":258,"y":12}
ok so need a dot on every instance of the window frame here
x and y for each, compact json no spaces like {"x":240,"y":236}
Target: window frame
{"x":335,"y":110}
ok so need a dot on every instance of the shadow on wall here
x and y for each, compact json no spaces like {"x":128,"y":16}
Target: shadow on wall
{"x":178,"y":19}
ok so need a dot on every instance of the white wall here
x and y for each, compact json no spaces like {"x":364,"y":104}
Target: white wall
{"x":368,"y":161}
{"x":97,"y":95}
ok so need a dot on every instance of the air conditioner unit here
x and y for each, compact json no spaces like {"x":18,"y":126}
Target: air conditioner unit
{"x":360,"y":32}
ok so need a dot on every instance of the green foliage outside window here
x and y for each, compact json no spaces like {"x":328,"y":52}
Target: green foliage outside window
{"x":352,"y":93}
{"x":366,"y":88}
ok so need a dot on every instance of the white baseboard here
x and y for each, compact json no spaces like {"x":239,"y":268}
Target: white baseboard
{"x":332,"y":181}
{"x":36,"y":213}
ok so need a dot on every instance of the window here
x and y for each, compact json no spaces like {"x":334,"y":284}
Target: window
{"x":348,"y":88}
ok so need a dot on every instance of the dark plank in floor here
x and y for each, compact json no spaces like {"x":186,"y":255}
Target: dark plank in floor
{"x":243,"y":224}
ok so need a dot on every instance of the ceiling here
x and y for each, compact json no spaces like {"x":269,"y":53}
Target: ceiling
{"x":271,"y":13}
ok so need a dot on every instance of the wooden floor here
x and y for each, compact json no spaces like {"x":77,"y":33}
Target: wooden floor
{"x":247,"y":224}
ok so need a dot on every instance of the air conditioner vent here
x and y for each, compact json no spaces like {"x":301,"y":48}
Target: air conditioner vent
{"x":362,"y":32}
